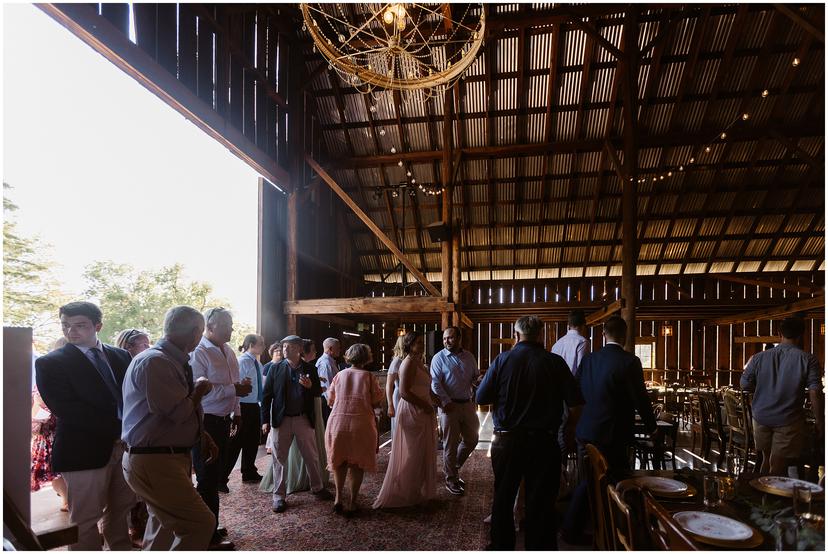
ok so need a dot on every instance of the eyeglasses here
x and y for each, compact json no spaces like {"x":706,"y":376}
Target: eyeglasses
{"x":212,"y":312}
{"x":132,"y":334}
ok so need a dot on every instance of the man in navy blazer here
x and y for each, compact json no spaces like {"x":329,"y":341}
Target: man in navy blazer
{"x":611,"y":381}
{"x":81,"y":385}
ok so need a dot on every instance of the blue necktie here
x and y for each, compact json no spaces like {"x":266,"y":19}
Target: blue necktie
{"x":109,"y":379}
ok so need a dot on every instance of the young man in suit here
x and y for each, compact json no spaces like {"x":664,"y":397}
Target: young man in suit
{"x":81,"y":385}
{"x":287,"y":404}
{"x":611,"y":381}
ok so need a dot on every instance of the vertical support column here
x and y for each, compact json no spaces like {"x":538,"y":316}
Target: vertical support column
{"x":455,"y":273}
{"x":629,"y":226}
{"x":292,"y":258}
{"x":446,"y":245}
{"x":296,"y":147}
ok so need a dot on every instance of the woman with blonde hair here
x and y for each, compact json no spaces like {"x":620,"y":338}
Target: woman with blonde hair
{"x":351,"y":436}
{"x":392,"y":383}
{"x":133,"y":341}
{"x":411,"y":477}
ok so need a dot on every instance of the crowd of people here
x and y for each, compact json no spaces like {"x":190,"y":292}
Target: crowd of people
{"x":124,"y":428}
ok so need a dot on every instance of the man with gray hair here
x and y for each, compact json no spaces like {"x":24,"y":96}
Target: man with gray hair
{"x":326,"y":368}
{"x":528,"y":388}
{"x":214,"y":359}
{"x":162,"y":423}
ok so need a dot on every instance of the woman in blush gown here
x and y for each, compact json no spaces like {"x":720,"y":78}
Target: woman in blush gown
{"x":411,"y":477}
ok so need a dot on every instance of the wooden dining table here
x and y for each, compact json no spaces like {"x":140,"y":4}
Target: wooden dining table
{"x":748,"y":506}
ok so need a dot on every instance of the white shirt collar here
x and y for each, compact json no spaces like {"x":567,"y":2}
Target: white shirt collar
{"x":207,"y":343}
{"x":86,"y":349}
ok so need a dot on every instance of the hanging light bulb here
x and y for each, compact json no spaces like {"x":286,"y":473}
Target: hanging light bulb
{"x":413,"y":181}
{"x":372,"y":108}
{"x":707,"y":149}
{"x":692,"y":160}
{"x":745,"y":116}
{"x":393,"y":150}
{"x":408,"y":174}
{"x":382,"y":132}
{"x":669,"y":174}
{"x":681,"y":168}
{"x":400,"y":163}
{"x":388,"y":16}
{"x":723,"y":135}
{"x":795,"y":62}
{"x":765,"y":93}
{"x":661,"y":177}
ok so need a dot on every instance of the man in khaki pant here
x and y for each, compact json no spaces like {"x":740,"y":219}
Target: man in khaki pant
{"x":162,"y":423}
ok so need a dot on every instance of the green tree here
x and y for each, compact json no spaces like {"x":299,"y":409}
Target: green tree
{"x":31,"y":294}
{"x":132,"y":298}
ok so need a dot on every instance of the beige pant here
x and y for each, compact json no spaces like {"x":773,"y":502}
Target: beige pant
{"x":300,"y":428}
{"x":100,"y":495}
{"x":178,"y":517}
{"x":460,"y":435}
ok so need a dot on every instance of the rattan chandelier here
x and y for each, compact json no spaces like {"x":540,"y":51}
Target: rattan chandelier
{"x":396,"y":46}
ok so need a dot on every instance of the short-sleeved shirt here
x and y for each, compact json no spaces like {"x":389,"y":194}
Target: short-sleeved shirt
{"x":528,"y":387}
{"x":778,"y":378}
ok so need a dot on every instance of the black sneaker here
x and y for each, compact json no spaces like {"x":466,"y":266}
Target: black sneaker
{"x":454,"y":488}
{"x":223,"y":488}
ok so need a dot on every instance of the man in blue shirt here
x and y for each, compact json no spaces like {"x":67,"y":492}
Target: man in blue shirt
{"x":453,"y":373}
{"x":528,"y":387}
{"x":778,"y":378}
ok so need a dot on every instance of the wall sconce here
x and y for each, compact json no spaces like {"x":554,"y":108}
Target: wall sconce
{"x":666,"y":330}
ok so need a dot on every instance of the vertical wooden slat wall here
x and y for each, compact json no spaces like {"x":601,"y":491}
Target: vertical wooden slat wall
{"x":693,"y":346}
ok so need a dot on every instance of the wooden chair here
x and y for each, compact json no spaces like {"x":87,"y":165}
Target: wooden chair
{"x":711,"y":424}
{"x":664,"y":532}
{"x":597,"y":482}
{"x":739,"y":428}
{"x":696,"y":425}
{"x":622,"y":531}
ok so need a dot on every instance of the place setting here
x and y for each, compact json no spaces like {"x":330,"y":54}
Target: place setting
{"x":785,"y":486}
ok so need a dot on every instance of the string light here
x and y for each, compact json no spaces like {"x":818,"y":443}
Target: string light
{"x":765,"y":93}
{"x":723,"y":135}
{"x":795,"y":62}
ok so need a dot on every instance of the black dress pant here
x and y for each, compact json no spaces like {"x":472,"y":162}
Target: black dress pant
{"x":535,"y":458}
{"x":209,"y":476}
{"x":245,"y":441}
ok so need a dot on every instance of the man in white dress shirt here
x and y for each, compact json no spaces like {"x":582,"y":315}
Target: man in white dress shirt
{"x":214,"y":359}
{"x":573,"y":345}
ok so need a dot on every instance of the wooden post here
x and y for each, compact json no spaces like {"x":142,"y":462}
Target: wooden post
{"x":292,"y":258}
{"x":455,"y":274}
{"x":629,"y":248}
{"x":446,"y":245}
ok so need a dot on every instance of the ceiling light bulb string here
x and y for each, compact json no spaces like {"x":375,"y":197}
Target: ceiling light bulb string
{"x":706,"y":148}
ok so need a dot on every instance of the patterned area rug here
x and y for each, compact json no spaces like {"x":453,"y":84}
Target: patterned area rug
{"x":446,"y":523}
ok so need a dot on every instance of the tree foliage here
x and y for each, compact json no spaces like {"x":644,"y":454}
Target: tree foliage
{"x":31,"y":294}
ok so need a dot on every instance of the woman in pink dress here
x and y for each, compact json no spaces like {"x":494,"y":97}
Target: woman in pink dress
{"x":411,"y":477}
{"x":351,"y":435}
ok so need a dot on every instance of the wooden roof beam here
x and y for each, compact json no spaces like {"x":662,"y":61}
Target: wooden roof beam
{"x":371,"y":225}
{"x":783,"y":310}
{"x":112,"y":44}
{"x":369,"y":305}
{"x":590,"y":30}
{"x":603,"y":313}
{"x":814,"y":29}
{"x":551,"y":84}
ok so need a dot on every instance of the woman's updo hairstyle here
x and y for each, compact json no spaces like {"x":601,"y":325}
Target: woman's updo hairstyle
{"x":358,"y":355}
{"x":409,"y":340}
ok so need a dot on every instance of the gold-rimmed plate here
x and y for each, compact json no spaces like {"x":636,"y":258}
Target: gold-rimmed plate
{"x":664,"y":487}
{"x":783,"y":486}
{"x":718,"y":530}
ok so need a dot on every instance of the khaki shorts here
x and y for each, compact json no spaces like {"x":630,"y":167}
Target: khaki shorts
{"x":785,"y":441}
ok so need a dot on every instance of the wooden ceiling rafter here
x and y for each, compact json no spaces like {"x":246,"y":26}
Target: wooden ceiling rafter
{"x":809,"y":26}
{"x":340,"y":108}
{"x":551,"y":88}
{"x":569,"y":243}
{"x":490,"y":134}
{"x":724,"y":70}
{"x":523,"y":124}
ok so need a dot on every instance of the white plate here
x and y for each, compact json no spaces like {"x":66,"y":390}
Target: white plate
{"x":713,"y":526}
{"x":662,"y":485}
{"x":787,"y":484}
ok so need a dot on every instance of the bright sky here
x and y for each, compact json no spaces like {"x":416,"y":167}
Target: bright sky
{"x":103,"y":169}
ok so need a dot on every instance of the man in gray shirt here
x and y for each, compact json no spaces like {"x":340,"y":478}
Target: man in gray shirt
{"x":162,"y":422}
{"x":778,"y":378}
